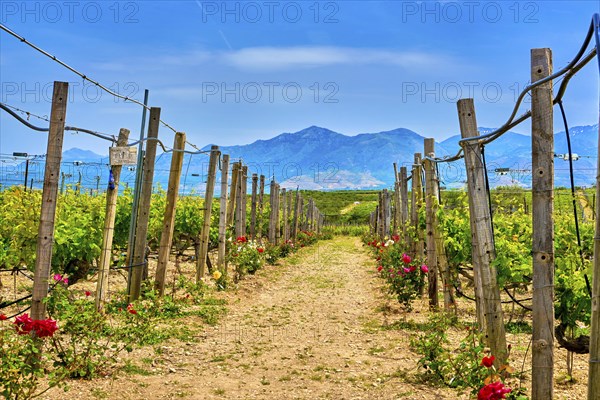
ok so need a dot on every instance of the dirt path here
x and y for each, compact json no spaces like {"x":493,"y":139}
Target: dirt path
{"x":307,"y":329}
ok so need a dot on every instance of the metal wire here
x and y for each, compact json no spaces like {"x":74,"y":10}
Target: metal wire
{"x":576,"y":64}
{"x":82,"y":75}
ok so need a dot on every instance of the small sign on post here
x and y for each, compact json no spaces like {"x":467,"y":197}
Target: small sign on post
{"x":123,"y":155}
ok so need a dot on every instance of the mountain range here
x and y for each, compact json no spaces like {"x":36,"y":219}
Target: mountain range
{"x":321,"y":159}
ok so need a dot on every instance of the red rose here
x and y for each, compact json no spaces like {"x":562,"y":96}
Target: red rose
{"x":488,"y":361}
{"x":493,"y":391}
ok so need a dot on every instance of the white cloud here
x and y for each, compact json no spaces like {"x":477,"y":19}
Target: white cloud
{"x":272,"y":58}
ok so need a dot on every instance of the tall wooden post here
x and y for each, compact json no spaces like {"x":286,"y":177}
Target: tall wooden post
{"x":166,"y":237}
{"x":297,"y":213}
{"x":239,"y":218}
{"x":109,"y":227}
{"x":244,"y":198}
{"x":223,"y":215}
{"x":403,"y":202}
{"x":431,"y":197}
{"x":208,"y":200}
{"x":482,"y":237}
{"x":594,"y":360}
{"x":397,"y":208}
{"x":417,"y":204}
{"x":277,"y":215}
{"x":272,"y":214}
{"x":261,"y":196}
{"x":253,"y":207}
{"x":542,"y":163}
{"x":139,"y":261}
{"x":286,"y":227}
{"x":233,"y":193}
{"x":45,"y":239}
{"x":283,"y":212}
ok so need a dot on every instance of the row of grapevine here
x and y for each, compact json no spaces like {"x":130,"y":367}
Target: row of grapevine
{"x":504,"y":248}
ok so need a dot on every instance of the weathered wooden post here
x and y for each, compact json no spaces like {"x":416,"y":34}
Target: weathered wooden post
{"x":138,"y":259}
{"x":261,"y":195}
{"x":109,"y":227}
{"x":239,"y":212}
{"x":277,"y":215}
{"x":45,"y":240}
{"x":208,"y":200}
{"x":273,"y":213}
{"x":253,"y":207}
{"x":221,"y":260}
{"x":166,"y":237}
{"x":289,"y":215}
{"x":396,"y":214}
{"x":594,"y":360}
{"x":233,"y":193}
{"x":283,"y":212}
{"x":244,"y":199}
{"x":296,"y":216}
{"x":482,"y":236}
{"x":404,"y":202}
{"x":542,"y":165}
{"x":431,"y":197}
{"x":417,"y":204}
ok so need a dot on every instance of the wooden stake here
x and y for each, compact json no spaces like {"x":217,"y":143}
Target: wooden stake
{"x":244,"y":199}
{"x":594,"y":360}
{"x":284,"y":212}
{"x":221,"y":261}
{"x":139,"y":260}
{"x":542,"y":148}
{"x":430,"y":215}
{"x":482,"y":237}
{"x":208,"y":200}
{"x":417,"y":204}
{"x":261,"y":196}
{"x":403,"y":202}
{"x":45,"y":239}
{"x":233,"y":193}
{"x":166,"y":237}
{"x":297,"y":213}
{"x":253,"y":207}
{"x":109,"y":228}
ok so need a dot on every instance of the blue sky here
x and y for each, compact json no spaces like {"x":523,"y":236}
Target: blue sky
{"x":234,"y":72}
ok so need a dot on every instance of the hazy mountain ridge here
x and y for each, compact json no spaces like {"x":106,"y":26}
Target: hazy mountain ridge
{"x":319,"y":158}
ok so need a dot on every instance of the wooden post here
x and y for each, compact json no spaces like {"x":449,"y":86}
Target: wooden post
{"x":272,"y":214}
{"x":296,"y":216}
{"x":261,"y":195}
{"x":239,"y":218}
{"x":244,"y":199}
{"x":431,"y":197}
{"x":45,"y":239}
{"x":396,"y":215}
{"x":208,"y":200}
{"x":594,"y":360}
{"x":482,"y":237}
{"x":289,"y":213}
{"x":542,"y":163}
{"x":253,"y":207}
{"x":277,"y":215}
{"x":223,"y":215}
{"x":139,"y":261}
{"x":403,"y":202}
{"x":166,"y":236}
{"x":109,"y":228}
{"x":283,"y":212}
{"x":233,"y":193}
{"x":417,"y":204}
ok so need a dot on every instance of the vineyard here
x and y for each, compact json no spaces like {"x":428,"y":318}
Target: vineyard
{"x":405,"y":292}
